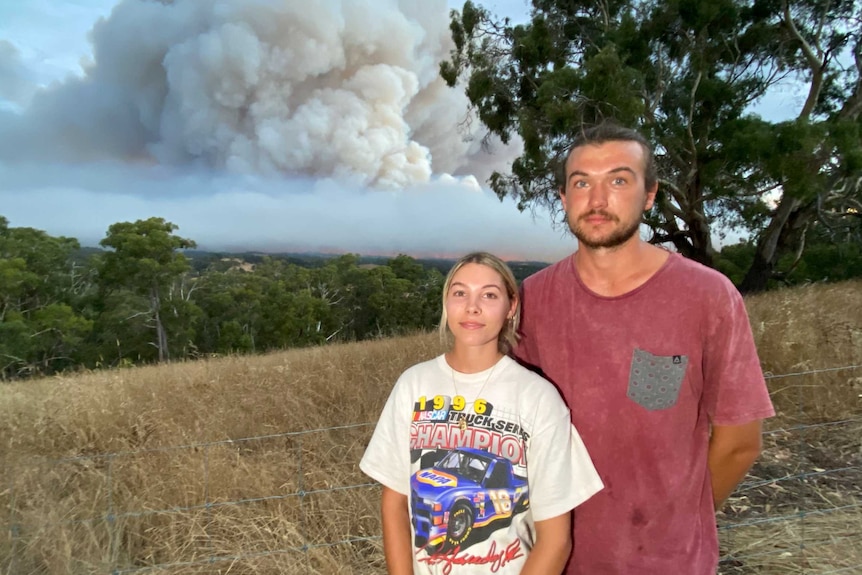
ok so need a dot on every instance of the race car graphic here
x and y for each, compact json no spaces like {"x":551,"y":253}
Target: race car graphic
{"x":466,"y":489}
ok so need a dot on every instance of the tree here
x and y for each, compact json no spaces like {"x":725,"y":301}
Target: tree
{"x":144,"y":259}
{"x":823,"y":259}
{"x":685,"y":73}
{"x":41,"y":288}
{"x":231,"y":302}
{"x":57,"y":337}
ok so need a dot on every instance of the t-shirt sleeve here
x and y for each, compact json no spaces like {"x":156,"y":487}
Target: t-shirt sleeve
{"x":734,"y":388}
{"x":561,"y":473}
{"x":387,"y":457}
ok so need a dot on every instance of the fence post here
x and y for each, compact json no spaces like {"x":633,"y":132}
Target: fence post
{"x":113,"y":535}
{"x":14,"y":528}
{"x":207,"y":504}
{"x":800,"y":404}
{"x":303,"y":523}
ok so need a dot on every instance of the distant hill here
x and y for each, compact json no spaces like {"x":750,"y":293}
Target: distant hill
{"x":202,"y":259}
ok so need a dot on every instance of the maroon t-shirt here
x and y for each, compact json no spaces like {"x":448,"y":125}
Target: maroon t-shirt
{"x":644,"y":374}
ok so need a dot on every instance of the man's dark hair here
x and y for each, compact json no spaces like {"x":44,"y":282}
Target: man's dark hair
{"x":610,"y":132}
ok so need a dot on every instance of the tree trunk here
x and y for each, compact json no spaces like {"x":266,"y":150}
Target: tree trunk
{"x":700,"y":249}
{"x":758,"y":275}
{"x":161,"y":334}
{"x":779,"y":236}
{"x":695,"y":243}
{"x":695,"y":240}
{"x":162,"y":339}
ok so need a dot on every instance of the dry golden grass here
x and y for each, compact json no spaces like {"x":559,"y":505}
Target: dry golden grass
{"x":831,"y":544}
{"x":231,"y":465}
{"x":142,"y":467}
{"x":811,"y":328}
{"x":807,"y":473}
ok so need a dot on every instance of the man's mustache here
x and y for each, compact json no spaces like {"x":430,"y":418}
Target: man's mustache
{"x":601,"y":213}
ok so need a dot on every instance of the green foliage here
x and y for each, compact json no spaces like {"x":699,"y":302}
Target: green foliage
{"x":828,"y":262}
{"x":230,"y":302}
{"x":64,"y":309}
{"x":143,"y":254}
{"x":144,"y":260}
{"x":119,"y":336}
{"x":143,"y":301}
{"x":15,"y":346}
{"x":58,"y":334}
{"x":734,"y":260}
{"x":278,"y":304}
{"x":685,"y":73}
{"x":823,"y":260}
{"x":42,"y":291}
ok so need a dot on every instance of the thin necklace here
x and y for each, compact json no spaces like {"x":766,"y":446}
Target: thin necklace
{"x":462,"y":419}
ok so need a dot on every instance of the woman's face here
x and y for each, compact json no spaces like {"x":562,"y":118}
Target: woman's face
{"x":477,"y":305}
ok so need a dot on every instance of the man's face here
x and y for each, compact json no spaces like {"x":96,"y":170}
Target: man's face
{"x":605,"y":195}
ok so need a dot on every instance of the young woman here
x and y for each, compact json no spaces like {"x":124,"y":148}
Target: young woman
{"x":479,"y":461}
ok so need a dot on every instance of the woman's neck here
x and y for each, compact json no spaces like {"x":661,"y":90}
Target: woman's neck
{"x":472,"y":359}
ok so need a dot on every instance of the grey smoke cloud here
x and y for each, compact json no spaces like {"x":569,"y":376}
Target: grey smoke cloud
{"x":17,"y":85}
{"x":266,"y":125}
{"x":238,"y":212}
{"x":346,"y":89}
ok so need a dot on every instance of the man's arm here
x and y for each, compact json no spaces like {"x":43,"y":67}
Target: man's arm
{"x":732,"y":451}
{"x":552,"y":548}
{"x":397,"y":546}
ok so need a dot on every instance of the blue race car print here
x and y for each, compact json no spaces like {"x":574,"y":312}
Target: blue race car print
{"x":467,"y":489}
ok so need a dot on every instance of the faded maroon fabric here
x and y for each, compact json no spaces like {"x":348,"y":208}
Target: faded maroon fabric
{"x":644,"y":374}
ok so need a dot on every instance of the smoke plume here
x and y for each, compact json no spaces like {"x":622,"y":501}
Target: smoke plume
{"x":326,"y":88}
{"x":16,"y":87}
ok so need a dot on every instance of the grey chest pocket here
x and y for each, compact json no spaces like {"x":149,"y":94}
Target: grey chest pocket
{"x":655,"y":380}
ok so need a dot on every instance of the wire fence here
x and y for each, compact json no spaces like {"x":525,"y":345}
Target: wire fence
{"x":798,"y":514}
{"x":799,"y":510}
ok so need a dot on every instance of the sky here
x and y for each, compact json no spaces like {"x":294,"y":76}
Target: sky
{"x":254,"y":125}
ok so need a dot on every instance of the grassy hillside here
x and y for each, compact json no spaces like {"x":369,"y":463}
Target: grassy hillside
{"x":159,"y":498}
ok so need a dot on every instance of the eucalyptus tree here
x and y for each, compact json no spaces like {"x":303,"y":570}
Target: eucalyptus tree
{"x":686,"y":73}
{"x":144,"y":258}
{"x":41,"y":291}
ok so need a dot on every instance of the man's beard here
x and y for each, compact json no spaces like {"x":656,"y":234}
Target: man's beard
{"x":617,"y":238}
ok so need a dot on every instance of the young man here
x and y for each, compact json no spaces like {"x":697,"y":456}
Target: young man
{"x":655,"y":357}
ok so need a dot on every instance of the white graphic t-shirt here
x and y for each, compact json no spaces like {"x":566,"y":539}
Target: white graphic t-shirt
{"x":480,"y":457}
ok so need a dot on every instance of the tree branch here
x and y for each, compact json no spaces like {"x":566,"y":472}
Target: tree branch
{"x":816,"y":65}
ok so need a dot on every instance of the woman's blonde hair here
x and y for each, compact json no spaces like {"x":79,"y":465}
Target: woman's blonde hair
{"x":508,"y":337}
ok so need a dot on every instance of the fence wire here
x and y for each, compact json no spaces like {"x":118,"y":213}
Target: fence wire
{"x":113,"y":518}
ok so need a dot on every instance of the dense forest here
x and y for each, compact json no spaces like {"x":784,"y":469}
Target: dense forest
{"x":147,"y":295}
